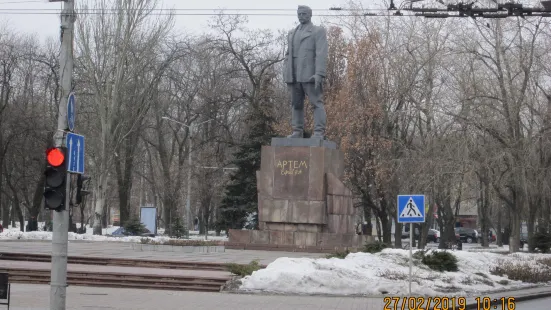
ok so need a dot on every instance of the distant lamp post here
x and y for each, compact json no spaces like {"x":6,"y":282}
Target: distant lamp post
{"x":188,"y":200}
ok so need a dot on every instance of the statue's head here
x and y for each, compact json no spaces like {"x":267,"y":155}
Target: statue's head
{"x":304,"y":13}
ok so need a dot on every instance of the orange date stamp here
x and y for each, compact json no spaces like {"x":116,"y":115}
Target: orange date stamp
{"x":425,"y":303}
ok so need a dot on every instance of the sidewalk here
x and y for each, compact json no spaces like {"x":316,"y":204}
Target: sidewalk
{"x":124,"y":250}
{"x":519,"y":295}
{"x":36,"y":297}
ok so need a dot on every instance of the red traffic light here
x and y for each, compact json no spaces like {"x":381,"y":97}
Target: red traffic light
{"x":55,"y":156}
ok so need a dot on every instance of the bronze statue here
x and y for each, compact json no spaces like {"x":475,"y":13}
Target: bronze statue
{"x":304,"y":70}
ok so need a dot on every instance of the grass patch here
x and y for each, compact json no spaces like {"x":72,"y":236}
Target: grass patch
{"x":449,"y":289}
{"x":244,"y":270}
{"x":392,"y":275}
{"x":485,"y":281}
{"x":374,"y":247}
{"x":180,"y":242}
{"x":545,"y":261}
{"x":503,"y":282}
{"x":481,"y":274}
{"x":338,"y":254}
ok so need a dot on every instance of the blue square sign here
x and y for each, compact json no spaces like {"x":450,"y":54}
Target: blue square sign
{"x":75,"y":146}
{"x":411,"y":208}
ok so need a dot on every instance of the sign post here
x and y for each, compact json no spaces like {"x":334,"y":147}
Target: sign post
{"x":411,"y":209}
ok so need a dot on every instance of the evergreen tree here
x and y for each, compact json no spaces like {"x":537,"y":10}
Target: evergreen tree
{"x":178,"y":229}
{"x":134,"y":226}
{"x":241,"y":200}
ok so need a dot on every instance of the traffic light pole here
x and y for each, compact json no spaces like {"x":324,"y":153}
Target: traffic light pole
{"x":58,"y":282}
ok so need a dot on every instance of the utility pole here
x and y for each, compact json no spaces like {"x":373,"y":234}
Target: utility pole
{"x":188,"y":196}
{"x":58,"y":282}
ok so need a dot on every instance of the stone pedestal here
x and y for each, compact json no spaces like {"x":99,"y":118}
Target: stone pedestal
{"x":302,"y":202}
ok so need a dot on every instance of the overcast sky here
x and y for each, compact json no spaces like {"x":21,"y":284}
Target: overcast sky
{"x":48,"y":25}
{"x":45,"y":25}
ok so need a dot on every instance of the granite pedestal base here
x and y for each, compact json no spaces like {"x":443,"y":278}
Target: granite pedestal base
{"x":302,"y":201}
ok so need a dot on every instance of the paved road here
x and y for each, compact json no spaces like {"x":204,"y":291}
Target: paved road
{"x":537,"y":304}
{"x":36,"y":297}
{"x":124,"y":250}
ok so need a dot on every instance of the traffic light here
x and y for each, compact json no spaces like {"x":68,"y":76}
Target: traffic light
{"x":56,"y":179}
{"x":80,"y":184}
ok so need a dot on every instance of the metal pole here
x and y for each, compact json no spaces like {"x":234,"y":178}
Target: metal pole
{"x":58,"y":282}
{"x":188,"y":200}
{"x":411,"y":232}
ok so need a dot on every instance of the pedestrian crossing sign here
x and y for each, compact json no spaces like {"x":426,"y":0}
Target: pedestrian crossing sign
{"x":411,"y":208}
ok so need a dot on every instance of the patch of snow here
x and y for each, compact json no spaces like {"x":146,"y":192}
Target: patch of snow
{"x":382,"y":273}
{"x":16,"y":234}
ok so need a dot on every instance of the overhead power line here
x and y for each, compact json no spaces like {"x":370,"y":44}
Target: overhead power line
{"x":167,"y":12}
{"x":196,"y":9}
{"x":17,"y":2}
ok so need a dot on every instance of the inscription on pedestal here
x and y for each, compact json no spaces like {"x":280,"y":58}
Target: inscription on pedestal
{"x":291,"y":173}
{"x":292,"y":167}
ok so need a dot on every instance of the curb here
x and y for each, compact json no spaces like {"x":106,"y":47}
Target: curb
{"x":473,"y":306}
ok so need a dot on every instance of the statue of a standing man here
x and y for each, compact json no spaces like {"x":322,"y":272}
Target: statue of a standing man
{"x":304,"y":70}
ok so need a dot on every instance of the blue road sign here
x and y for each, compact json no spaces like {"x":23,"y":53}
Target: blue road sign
{"x":411,"y":208}
{"x":75,"y":146}
{"x":71,"y":111}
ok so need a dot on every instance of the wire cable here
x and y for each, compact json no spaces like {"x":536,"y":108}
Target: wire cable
{"x":196,"y":9}
{"x":57,"y":12}
{"x":17,"y":2}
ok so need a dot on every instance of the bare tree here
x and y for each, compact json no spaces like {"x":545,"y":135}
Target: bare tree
{"x":115,"y":45}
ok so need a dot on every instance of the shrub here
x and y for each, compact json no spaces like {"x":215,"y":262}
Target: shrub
{"x":48,"y":226}
{"x":545,"y":261}
{"x":147,"y":241}
{"x":375,"y":247}
{"x":420,"y":254}
{"x":134,"y":227}
{"x":440,"y":261}
{"x":522,"y":271}
{"x":338,"y":254}
{"x":178,"y":229}
{"x":542,"y":241}
{"x":244,"y":270}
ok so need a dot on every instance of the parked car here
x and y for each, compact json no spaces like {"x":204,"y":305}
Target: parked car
{"x":468,"y":235}
{"x":490,"y":235}
{"x":433,"y":235}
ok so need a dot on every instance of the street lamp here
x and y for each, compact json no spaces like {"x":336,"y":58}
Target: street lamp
{"x":188,"y":200}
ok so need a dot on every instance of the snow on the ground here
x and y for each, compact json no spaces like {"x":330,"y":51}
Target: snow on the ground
{"x":16,"y":234}
{"x":383,"y":273}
